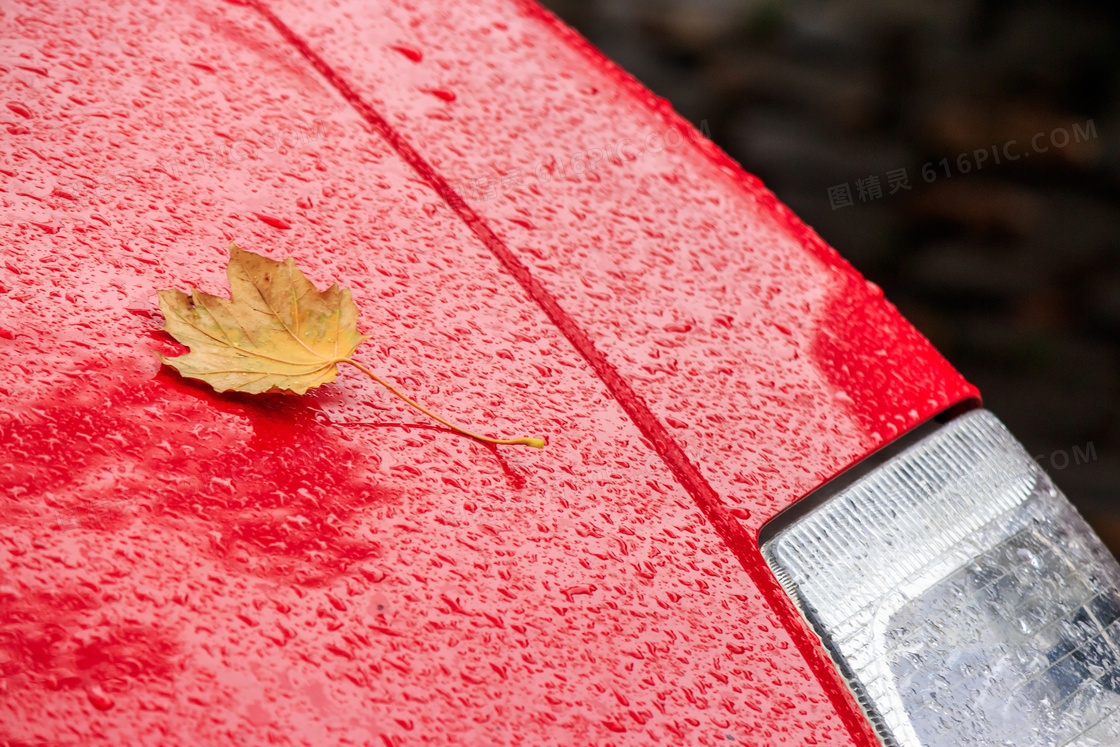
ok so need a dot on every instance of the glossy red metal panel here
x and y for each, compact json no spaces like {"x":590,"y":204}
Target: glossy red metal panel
{"x":773,"y":363}
{"x":180,"y":567}
{"x":755,"y":360}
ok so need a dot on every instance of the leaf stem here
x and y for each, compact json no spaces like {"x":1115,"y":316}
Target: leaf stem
{"x":537,"y":443}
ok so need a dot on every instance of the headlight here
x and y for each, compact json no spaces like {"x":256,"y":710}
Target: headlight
{"x":962,"y":597}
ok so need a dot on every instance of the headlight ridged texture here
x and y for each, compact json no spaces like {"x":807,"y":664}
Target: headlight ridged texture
{"x":962,"y":596}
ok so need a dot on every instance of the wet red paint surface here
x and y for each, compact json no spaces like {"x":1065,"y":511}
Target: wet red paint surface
{"x":185,"y":567}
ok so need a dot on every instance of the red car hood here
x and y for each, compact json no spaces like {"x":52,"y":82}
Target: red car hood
{"x":536,"y":243}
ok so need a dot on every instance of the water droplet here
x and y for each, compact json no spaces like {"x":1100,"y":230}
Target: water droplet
{"x":413,"y":54}
{"x":98,"y":699}
{"x":273,"y":221}
{"x":439,"y":93}
{"x":20,"y":109}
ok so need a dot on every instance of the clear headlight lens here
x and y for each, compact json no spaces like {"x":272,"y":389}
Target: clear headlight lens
{"x":962,"y":596}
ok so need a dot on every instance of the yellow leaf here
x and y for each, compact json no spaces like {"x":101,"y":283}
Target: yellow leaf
{"x":276,"y":332}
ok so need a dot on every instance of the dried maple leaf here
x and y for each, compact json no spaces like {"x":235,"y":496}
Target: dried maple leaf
{"x":277,"y":332}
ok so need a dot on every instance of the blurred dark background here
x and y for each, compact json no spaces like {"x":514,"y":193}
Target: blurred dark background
{"x":1012,"y":269}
